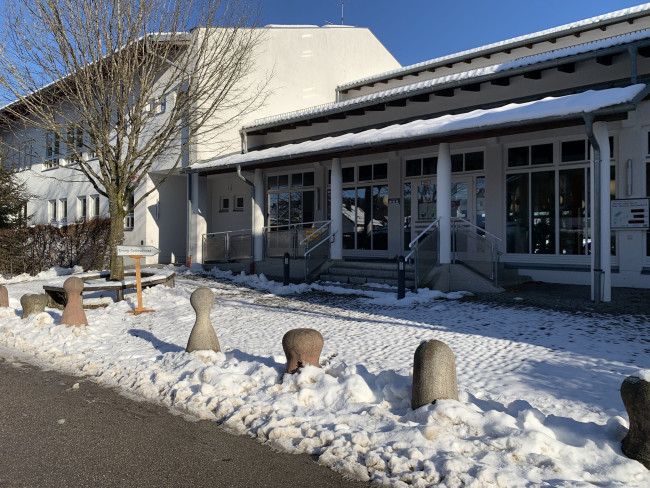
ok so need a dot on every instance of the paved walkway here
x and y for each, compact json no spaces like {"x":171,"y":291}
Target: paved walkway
{"x":62,"y":431}
{"x":570,"y":298}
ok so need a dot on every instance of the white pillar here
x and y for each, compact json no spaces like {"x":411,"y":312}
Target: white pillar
{"x":258,"y":216}
{"x":602,"y":136}
{"x":443,"y":201}
{"x":336,"y":196}
{"x":198,"y":226}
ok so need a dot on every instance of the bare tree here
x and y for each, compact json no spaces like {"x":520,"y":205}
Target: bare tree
{"x":126,"y":86}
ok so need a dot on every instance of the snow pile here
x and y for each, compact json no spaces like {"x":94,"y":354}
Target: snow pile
{"x":534,"y":409}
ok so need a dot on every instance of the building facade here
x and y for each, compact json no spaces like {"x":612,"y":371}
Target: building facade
{"x":504,"y":140}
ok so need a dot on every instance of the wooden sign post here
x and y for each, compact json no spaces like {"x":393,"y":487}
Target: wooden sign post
{"x":136,"y":253}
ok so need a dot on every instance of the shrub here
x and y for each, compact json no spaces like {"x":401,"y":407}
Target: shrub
{"x":35,"y":249}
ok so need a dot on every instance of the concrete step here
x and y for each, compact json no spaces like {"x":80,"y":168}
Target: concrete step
{"x":369,"y":272}
{"x":362,"y":280}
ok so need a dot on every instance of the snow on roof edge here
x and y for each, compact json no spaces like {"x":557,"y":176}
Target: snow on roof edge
{"x":500,"y":44}
{"x":550,"y":107}
{"x":463,"y":75}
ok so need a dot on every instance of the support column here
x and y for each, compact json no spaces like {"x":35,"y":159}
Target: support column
{"x":336,"y":187}
{"x":258,"y":216}
{"x":443,"y":201}
{"x":602,"y":136}
{"x":198,"y":216}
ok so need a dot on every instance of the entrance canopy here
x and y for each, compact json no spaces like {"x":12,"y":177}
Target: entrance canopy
{"x":514,"y":117}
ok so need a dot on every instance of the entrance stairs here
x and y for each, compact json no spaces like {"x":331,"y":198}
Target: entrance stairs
{"x":367,"y":275}
{"x":382,"y":276}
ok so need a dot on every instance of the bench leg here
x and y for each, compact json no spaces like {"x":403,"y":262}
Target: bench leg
{"x":120,"y":295}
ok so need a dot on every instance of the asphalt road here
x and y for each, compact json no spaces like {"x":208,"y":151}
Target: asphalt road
{"x":56,"y":434}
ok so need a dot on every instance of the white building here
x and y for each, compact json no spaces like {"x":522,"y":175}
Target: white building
{"x":509,"y":136}
{"x":303,"y":66}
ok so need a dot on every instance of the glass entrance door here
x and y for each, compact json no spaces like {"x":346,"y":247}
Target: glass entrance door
{"x":365,"y":218}
{"x":421,"y":198}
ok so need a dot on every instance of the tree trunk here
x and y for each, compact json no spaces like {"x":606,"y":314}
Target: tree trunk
{"x":116,"y":236}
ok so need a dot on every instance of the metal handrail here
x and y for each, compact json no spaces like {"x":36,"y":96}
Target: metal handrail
{"x":329,"y":238}
{"x":477,"y":227}
{"x":489,"y":237}
{"x":212,"y":234}
{"x":326,"y":223}
{"x":420,"y":235}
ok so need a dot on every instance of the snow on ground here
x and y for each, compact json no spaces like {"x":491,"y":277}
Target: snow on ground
{"x":539,"y":390}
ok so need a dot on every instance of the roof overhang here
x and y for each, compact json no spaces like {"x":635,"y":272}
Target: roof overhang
{"x":546,"y":113}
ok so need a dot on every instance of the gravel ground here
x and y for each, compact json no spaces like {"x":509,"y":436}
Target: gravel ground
{"x":569,"y":298}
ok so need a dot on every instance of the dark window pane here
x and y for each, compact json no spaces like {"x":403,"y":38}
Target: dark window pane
{"x":296,"y":180}
{"x":611,"y":147}
{"x":574,"y":151}
{"x":308,"y":206}
{"x":348,"y":175}
{"x":308,"y":179}
{"x":518,"y":156}
{"x":517,"y":213}
{"x":365,"y":172}
{"x":541,"y":154}
{"x":543,"y":212}
{"x":456,"y":163}
{"x":474,"y":161}
{"x":380,"y":171}
{"x":429,"y":166}
{"x":413,"y":167}
{"x":573,"y":223}
{"x":283,"y":181}
{"x":273,"y":182}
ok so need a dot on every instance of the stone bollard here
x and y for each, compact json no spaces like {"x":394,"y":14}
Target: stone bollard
{"x":302,"y":347}
{"x":635,"y":393}
{"x":4,"y":296}
{"x":73,"y":313}
{"x":434,"y":374}
{"x":203,"y":337}
{"x":33,"y":303}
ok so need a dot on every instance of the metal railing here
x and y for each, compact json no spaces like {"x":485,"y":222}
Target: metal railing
{"x":425,"y":251}
{"x":471,"y":245}
{"x":227,"y":246}
{"x":317,"y":247}
{"x":476,"y":248}
{"x":289,"y":238}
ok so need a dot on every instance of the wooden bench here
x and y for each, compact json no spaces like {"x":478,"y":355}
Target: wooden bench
{"x":98,"y":281}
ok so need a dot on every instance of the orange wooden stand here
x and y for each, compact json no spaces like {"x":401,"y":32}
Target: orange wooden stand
{"x":138,"y":280}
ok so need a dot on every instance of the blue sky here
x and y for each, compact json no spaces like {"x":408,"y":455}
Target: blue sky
{"x":418,"y":30}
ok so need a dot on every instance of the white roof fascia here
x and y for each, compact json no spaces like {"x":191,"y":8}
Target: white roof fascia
{"x":566,"y":29}
{"x":456,"y":77}
{"x":508,"y":115}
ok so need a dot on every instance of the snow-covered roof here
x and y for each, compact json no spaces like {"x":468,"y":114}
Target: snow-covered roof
{"x":539,"y":36}
{"x":512,"y":114}
{"x":463,"y":76}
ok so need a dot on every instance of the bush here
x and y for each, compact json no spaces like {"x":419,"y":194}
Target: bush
{"x":35,"y":249}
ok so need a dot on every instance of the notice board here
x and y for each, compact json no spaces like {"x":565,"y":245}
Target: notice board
{"x":630,"y":213}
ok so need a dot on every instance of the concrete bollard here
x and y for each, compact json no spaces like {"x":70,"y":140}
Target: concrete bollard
{"x":302,"y":347}
{"x":4,"y":296}
{"x":635,"y":393}
{"x":203,"y":337}
{"x":33,"y":303}
{"x":434,"y":374}
{"x":73,"y":313}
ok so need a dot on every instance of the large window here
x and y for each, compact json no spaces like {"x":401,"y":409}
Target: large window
{"x":547,"y":209}
{"x":82,"y":208}
{"x":94,"y":206}
{"x":51,"y":211}
{"x":291,"y":200}
{"x":52,"y":150}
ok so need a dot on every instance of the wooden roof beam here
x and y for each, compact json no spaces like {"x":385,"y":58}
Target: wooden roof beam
{"x":533,"y":75}
{"x":567,"y":68}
